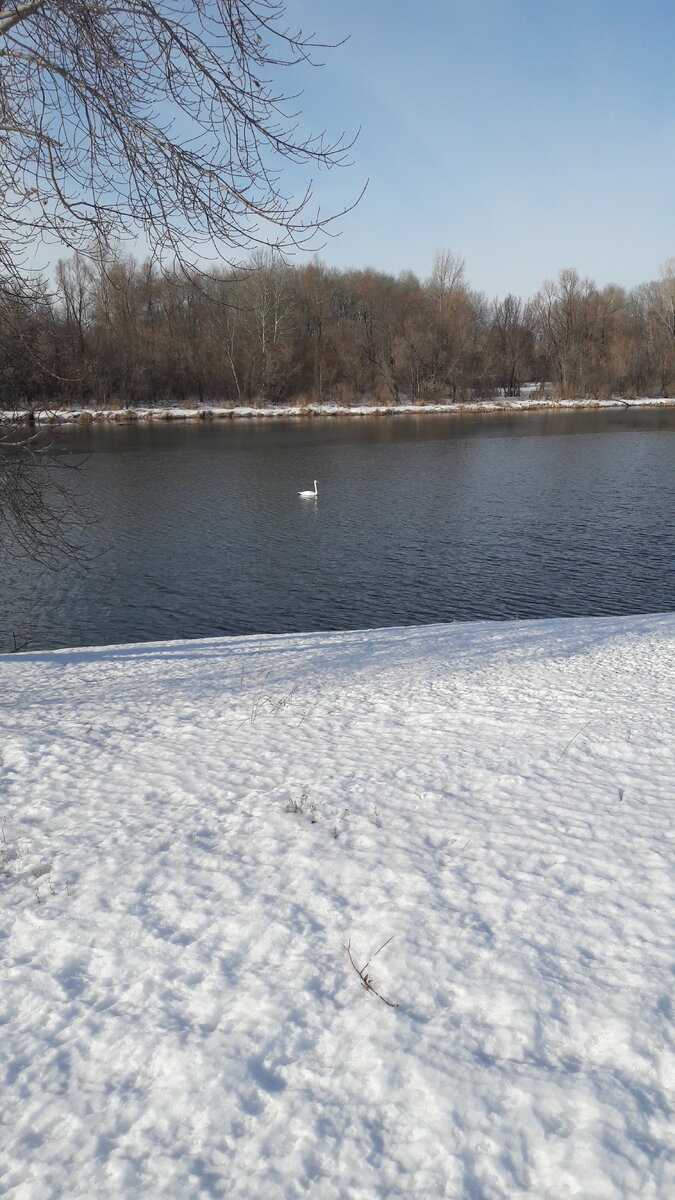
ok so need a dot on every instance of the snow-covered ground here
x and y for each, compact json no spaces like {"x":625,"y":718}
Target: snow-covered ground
{"x":193,"y":832}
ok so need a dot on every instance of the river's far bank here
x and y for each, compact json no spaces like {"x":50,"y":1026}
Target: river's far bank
{"x":86,"y":414}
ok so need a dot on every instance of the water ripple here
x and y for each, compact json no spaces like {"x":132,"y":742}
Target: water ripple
{"x":426,"y":520}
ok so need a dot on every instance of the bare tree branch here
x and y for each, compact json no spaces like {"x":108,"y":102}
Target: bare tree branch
{"x":366,"y":982}
{"x":12,"y":16}
{"x":158,"y":117}
{"x":38,"y":518}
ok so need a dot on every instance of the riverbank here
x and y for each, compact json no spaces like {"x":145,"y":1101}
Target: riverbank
{"x":207,"y":412}
{"x":195,"y":834}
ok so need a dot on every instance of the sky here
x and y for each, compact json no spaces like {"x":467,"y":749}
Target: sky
{"x":525,"y":136}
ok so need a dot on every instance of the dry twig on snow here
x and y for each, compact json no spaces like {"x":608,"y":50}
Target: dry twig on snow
{"x":366,"y":982}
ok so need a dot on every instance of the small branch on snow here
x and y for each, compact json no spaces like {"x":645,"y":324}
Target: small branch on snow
{"x":366,"y":982}
{"x":573,"y":739}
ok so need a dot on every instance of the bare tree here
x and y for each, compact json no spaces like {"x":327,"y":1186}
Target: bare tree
{"x":268,"y":316}
{"x":659,"y":300}
{"x":511,"y":323}
{"x":447,"y":277}
{"x":561,"y":310}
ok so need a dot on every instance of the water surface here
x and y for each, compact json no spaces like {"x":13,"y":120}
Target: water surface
{"x":199,"y":529}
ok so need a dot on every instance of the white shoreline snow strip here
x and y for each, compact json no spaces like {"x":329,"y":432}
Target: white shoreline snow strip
{"x":504,"y":404}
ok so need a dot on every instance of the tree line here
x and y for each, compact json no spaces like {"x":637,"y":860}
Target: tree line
{"x":112,"y":330}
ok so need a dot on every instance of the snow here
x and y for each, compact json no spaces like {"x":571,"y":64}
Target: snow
{"x":192,"y":832}
{"x":527,"y":402}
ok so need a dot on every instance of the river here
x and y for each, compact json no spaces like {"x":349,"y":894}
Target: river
{"x":197,"y":530}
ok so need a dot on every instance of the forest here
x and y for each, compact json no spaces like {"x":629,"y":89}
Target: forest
{"x":114,"y":331}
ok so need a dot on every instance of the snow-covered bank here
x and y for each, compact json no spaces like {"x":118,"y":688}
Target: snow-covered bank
{"x":191,"y":834}
{"x":527,"y":403}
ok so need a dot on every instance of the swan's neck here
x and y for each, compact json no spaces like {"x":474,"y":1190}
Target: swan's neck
{"x":315,"y":488}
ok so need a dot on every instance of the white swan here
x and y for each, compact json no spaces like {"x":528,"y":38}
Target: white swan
{"x":310,"y":495}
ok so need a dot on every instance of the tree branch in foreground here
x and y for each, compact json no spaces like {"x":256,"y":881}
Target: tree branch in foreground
{"x":160,"y":118}
{"x":38,"y":516}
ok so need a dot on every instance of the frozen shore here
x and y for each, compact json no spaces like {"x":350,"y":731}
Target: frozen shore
{"x":193,"y":832}
{"x":207,"y":412}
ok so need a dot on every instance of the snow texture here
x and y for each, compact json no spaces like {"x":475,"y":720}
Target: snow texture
{"x":193,"y":832}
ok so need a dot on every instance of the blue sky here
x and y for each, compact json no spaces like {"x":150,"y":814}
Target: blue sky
{"x":525,"y":136}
